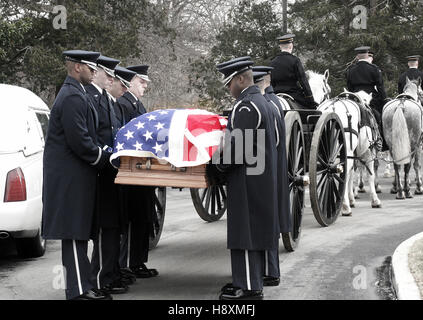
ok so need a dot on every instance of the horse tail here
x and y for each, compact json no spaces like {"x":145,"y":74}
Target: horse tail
{"x":401,"y":147}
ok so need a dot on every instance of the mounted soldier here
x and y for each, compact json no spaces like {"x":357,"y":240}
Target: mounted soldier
{"x":364,"y":76}
{"x":413,"y":73}
{"x":288,"y":76}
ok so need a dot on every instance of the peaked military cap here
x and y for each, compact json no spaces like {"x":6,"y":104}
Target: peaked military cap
{"x":125,"y":76}
{"x":287,"y":38}
{"x":224,"y":64}
{"x":268,"y":70}
{"x":80,"y":56}
{"x":108,"y":64}
{"x":413,"y":58}
{"x":258,"y":76}
{"x":141,"y":71}
{"x":234,"y":67}
{"x":363,"y":49}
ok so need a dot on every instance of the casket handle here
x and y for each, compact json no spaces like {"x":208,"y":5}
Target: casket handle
{"x":138,"y":166}
{"x":148,"y":164}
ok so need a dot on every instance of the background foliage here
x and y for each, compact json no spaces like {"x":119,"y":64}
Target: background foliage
{"x":183,"y":40}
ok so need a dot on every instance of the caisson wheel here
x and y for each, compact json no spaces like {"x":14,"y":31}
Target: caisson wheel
{"x":295,"y":150}
{"x":158,"y":216}
{"x":210,"y":203}
{"x":328,"y":159}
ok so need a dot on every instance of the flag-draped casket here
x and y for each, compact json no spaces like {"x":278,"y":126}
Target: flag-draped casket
{"x":168,"y":148}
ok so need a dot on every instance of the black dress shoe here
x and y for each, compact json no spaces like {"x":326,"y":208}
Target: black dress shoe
{"x":143,"y":272}
{"x":116,"y":287}
{"x":226,"y":287}
{"x":128,"y":280}
{"x":270,"y":281}
{"x":240,"y":294}
{"x":127,"y":277}
{"x":94,"y":294}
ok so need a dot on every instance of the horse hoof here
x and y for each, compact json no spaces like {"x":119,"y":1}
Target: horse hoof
{"x":401,"y":196}
{"x":408,"y":195}
{"x":378,"y":190}
{"x":362,"y":190}
{"x":352,"y":205}
{"x":377,"y":206}
{"x":394,"y":191}
{"x":357,"y":197}
{"x":418,"y":192}
{"x":347,"y":214}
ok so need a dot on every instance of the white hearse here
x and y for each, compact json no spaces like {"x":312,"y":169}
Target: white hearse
{"x":23,"y":127}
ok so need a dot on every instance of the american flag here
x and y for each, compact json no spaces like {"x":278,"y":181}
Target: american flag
{"x":182,"y":137}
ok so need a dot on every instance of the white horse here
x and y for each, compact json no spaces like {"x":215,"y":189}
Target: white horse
{"x":402,"y":120}
{"x":319,"y":87}
{"x":359,"y":140}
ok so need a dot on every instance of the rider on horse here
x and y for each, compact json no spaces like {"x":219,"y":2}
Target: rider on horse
{"x":288,"y":76}
{"x":367,"y":77}
{"x":413,"y":73}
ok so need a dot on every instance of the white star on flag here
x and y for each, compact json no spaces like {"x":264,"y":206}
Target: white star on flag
{"x":119,"y":146}
{"x":138,"y":146}
{"x":159,"y":126}
{"x":140,"y":125}
{"x":129,"y":135}
{"x":151,"y":117}
{"x":148,"y":135}
{"x":158,"y":147}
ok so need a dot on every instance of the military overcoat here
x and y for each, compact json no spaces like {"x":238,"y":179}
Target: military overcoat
{"x":71,"y":161}
{"x":253,"y":222}
{"x":282,"y":165}
{"x":108,"y":208}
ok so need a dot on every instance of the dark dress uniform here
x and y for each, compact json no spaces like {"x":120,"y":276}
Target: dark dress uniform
{"x":285,"y":224}
{"x":289,"y":77}
{"x":139,"y":205}
{"x":253,"y":224}
{"x":110,"y":219}
{"x":412,"y":74}
{"x":368,"y":77}
{"x":71,"y":159}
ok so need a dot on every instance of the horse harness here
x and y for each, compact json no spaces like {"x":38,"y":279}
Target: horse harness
{"x":371,"y":121}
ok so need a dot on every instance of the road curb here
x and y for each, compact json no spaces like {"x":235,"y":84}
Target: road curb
{"x":403,"y":281}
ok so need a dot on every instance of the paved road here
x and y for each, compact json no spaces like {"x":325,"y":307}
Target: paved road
{"x":339,"y":262}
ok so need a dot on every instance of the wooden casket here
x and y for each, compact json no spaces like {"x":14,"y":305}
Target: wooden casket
{"x":150,"y":172}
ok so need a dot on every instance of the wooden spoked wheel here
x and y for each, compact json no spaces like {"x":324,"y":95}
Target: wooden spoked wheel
{"x":328,"y":169}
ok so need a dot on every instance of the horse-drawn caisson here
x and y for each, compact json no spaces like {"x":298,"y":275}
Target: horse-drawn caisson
{"x":322,"y":146}
{"x":317,"y":155}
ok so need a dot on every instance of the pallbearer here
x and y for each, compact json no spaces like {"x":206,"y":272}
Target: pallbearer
{"x":105,"y":255}
{"x":72,"y":159}
{"x":253,"y":224}
{"x":139,"y":202}
{"x":262,"y":79}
